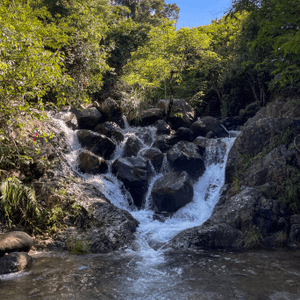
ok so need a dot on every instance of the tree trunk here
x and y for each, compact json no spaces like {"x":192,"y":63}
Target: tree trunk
{"x":171,"y":95}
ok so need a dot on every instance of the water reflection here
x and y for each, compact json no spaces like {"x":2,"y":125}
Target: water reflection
{"x":188,"y":275}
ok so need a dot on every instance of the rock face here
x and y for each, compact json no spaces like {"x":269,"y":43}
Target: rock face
{"x":15,"y":262}
{"x":150,"y":116}
{"x":182,"y":114}
{"x":185,"y":156}
{"x":111,"y":130}
{"x":203,"y":126}
{"x":162,"y":127}
{"x":87,"y":118}
{"x":15,"y":241}
{"x":116,"y":227}
{"x":132,"y":147}
{"x":135,"y":173}
{"x":155,"y":156}
{"x":111,"y":111}
{"x":91,"y":163}
{"x":171,"y":192}
{"x":97,"y":143}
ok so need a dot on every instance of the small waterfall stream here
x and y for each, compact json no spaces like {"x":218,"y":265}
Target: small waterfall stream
{"x":147,"y":272}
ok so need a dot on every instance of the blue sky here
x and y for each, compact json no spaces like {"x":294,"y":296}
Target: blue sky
{"x":195,"y":13}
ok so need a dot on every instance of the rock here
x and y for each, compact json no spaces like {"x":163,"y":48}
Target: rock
{"x":294,"y":236}
{"x":209,"y":235}
{"x":15,"y":262}
{"x":185,"y":156}
{"x":163,"y":105}
{"x":151,"y":115}
{"x":185,"y":134}
{"x":206,"y":124}
{"x":91,"y":163}
{"x":253,"y":139}
{"x":97,"y":143}
{"x":116,"y":227}
{"x":165,"y":142}
{"x":171,"y":192}
{"x":155,"y":156}
{"x":71,"y":121}
{"x":182,"y":114}
{"x":232,"y":123}
{"x":135,"y":174}
{"x":132,"y":146}
{"x":111,"y":130}
{"x":87,"y":118}
{"x":162,"y":127}
{"x":15,"y":241}
{"x":270,"y":167}
{"x":111,"y":111}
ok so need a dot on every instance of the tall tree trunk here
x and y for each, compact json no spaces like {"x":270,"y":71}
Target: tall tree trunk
{"x":171,"y":95}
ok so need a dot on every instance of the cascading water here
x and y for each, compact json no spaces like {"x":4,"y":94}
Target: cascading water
{"x":150,"y":231}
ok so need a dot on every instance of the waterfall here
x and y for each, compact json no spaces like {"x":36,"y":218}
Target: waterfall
{"x":150,"y":230}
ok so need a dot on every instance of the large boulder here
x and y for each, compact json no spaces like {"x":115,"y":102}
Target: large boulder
{"x":253,"y":139}
{"x":15,"y":241}
{"x":171,"y":192}
{"x":155,"y":156}
{"x":150,"y":116}
{"x":111,"y":130}
{"x":132,"y":146}
{"x":231,"y":220}
{"x":164,"y":142}
{"x":185,"y":134}
{"x":135,"y":174}
{"x":181,"y":115}
{"x":97,"y":143}
{"x":15,"y":262}
{"x":91,"y":163}
{"x":185,"y":156}
{"x":87,"y":118}
{"x":203,"y":126}
{"x":111,"y":111}
{"x":162,"y":127}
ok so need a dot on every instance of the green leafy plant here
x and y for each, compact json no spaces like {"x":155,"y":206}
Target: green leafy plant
{"x":77,"y":246}
{"x":18,"y":204}
{"x":281,"y":238}
{"x":252,"y":238}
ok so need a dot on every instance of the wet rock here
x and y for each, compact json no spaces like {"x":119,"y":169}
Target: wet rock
{"x":232,"y":123}
{"x":182,"y":114}
{"x":111,"y":130}
{"x":91,"y":163}
{"x":97,"y":143}
{"x":132,"y":146}
{"x":185,"y":134}
{"x":135,"y":174}
{"x":15,"y":241}
{"x":204,"y":125}
{"x":116,"y":227}
{"x":87,"y":118}
{"x":155,"y":156}
{"x":15,"y":262}
{"x":165,"y":142}
{"x":294,"y":236}
{"x":270,"y":167}
{"x":111,"y":111}
{"x":185,"y":156}
{"x":71,"y":121}
{"x":171,"y":192}
{"x":150,"y":116}
{"x":162,"y":127}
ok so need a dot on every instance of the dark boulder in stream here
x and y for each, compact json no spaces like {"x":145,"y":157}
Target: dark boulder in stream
{"x":111,"y":130}
{"x":15,"y":262}
{"x":91,"y":164}
{"x":185,"y":156}
{"x":135,"y":174}
{"x":97,"y":143}
{"x":132,"y":146}
{"x":155,"y":156}
{"x":87,"y":118}
{"x":171,"y":192}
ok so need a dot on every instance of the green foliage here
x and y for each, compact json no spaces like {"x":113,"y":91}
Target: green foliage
{"x":281,"y":238}
{"x":253,"y":238}
{"x":18,"y":204}
{"x":290,"y":190}
{"x":77,"y":246}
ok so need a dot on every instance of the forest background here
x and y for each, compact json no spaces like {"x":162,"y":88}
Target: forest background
{"x":69,"y":52}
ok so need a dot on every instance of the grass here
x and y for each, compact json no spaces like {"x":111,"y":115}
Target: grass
{"x":253,"y":238}
{"x":77,"y":246}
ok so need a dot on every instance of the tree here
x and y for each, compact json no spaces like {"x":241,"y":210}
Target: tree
{"x":165,"y":56}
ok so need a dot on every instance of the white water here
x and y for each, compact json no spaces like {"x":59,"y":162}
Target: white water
{"x":206,"y":190}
